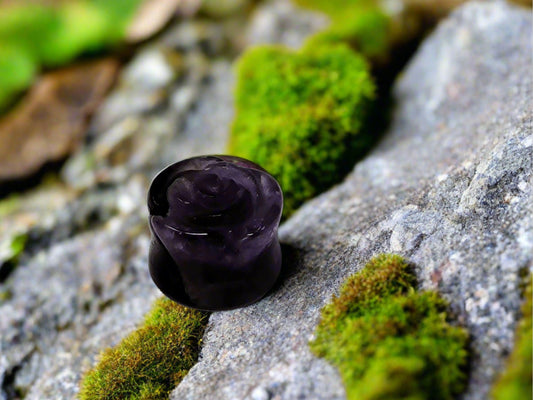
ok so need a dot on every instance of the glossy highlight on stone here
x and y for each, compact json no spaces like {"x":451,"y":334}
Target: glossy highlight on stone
{"x":214,"y":222}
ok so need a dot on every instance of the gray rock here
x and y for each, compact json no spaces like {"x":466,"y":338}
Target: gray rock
{"x":450,"y":188}
{"x":150,"y":105}
{"x":281,"y":22}
{"x":141,"y":87}
{"x":63,"y":300}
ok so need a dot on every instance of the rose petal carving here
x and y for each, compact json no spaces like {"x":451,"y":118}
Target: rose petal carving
{"x":214,"y":222}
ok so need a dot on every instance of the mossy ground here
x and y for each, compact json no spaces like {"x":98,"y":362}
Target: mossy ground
{"x":35,"y":35}
{"x":516,"y":380}
{"x":301,"y":116}
{"x":389,"y":341}
{"x":152,"y":360}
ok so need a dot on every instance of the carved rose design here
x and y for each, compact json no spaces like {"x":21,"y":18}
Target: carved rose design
{"x":214,"y":222}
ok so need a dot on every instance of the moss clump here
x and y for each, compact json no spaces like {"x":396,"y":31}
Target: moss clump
{"x":516,"y":380}
{"x":10,"y":251}
{"x":301,"y":115}
{"x":388,"y":341}
{"x":361,"y":23}
{"x":152,"y":360}
{"x":33,"y":35}
{"x":18,"y":243}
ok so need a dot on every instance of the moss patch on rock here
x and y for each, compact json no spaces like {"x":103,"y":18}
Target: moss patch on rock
{"x":152,"y":360}
{"x":301,"y":116}
{"x":516,"y":380}
{"x":389,"y":341}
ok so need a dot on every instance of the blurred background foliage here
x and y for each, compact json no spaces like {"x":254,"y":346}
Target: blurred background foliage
{"x":37,"y":35}
{"x":363,"y":24}
{"x":42,"y":34}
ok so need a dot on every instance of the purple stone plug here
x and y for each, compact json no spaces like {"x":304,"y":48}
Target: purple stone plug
{"x":214,"y":223}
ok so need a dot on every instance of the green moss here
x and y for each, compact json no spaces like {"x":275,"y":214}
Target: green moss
{"x":83,"y":27}
{"x":33,"y":36}
{"x":301,"y":115}
{"x":12,"y":247}
{"x":388,"y":341}
{"x":361,"y":23}
{"x":152,"y":360}
{"x":18,"y":243}
{"x":17,"y":69}
{"x":516,"y":380}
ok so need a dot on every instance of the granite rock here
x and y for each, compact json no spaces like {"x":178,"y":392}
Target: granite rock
{"x":449,"y":188}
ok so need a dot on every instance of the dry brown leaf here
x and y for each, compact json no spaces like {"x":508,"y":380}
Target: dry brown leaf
{"x":52,"y":119}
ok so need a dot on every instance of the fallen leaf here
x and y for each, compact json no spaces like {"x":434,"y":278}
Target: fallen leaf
{"x":51,"y":121}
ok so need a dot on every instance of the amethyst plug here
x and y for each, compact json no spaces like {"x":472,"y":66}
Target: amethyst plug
{"x":214,"y":223}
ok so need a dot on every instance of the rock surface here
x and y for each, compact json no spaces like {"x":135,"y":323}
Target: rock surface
{"x":281,"y":22}
{"x":450,"y":188}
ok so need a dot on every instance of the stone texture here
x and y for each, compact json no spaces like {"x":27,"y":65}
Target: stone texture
{"x":281,"y":22}
{"x":449,"y":187}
